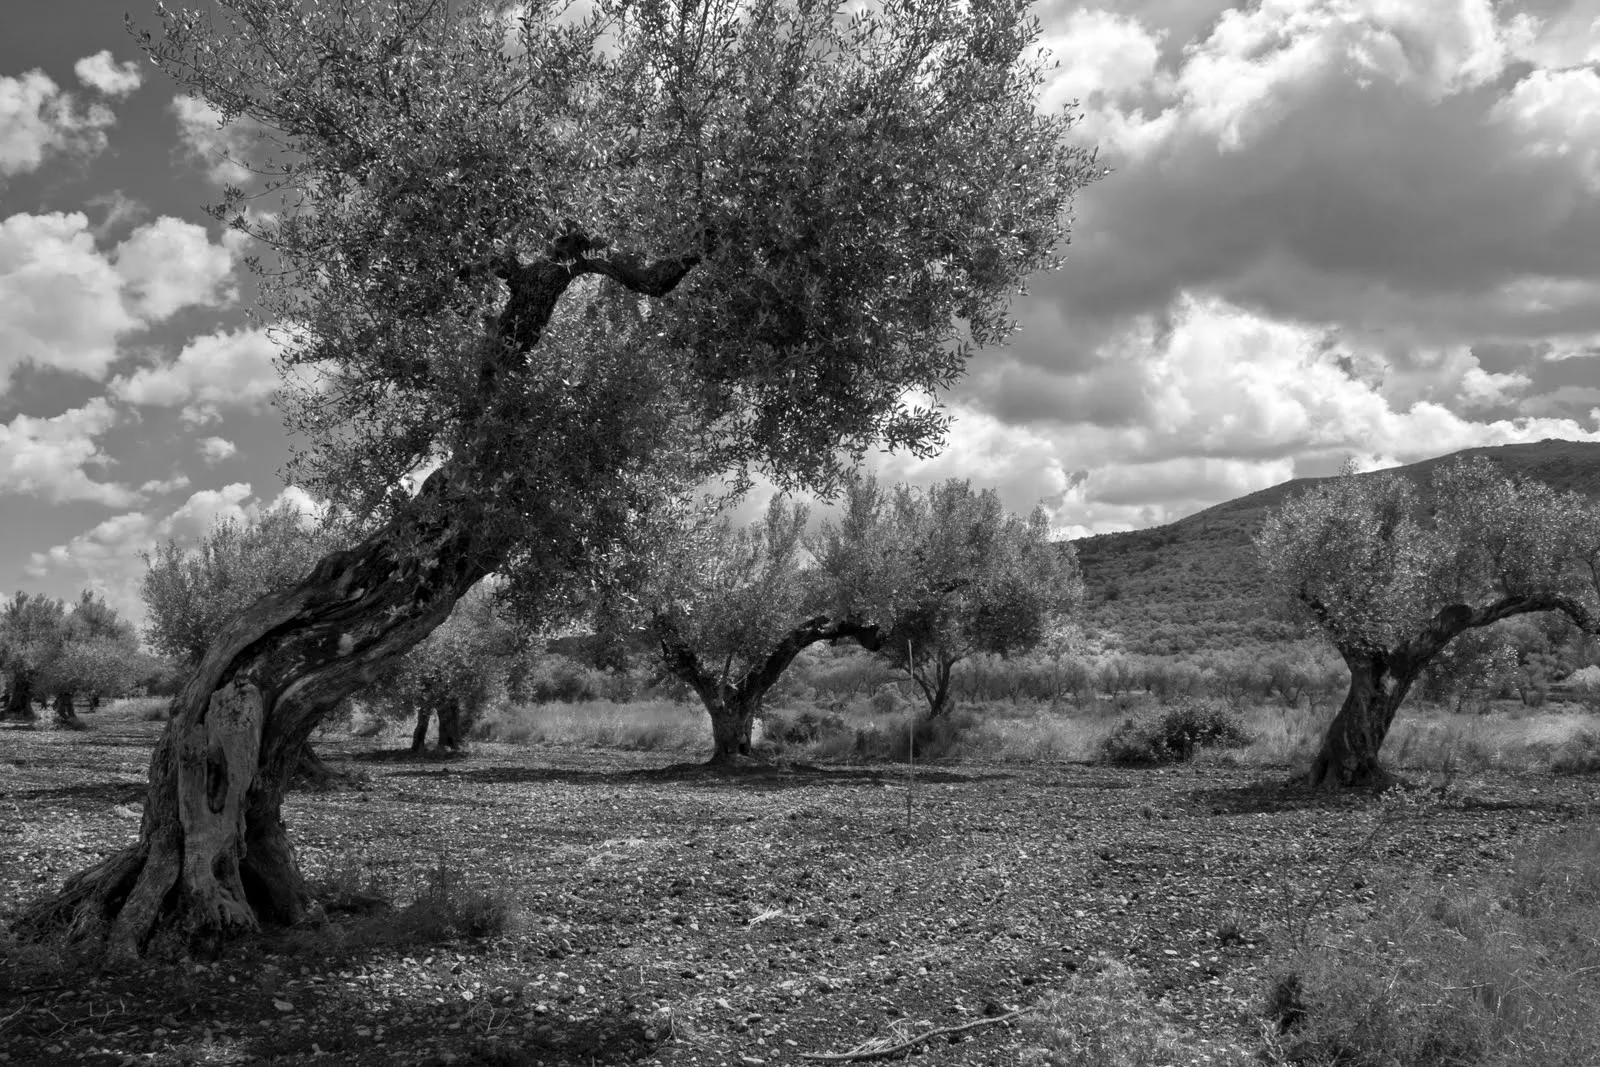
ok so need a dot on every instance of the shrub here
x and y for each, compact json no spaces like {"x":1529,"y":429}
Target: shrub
{"x":782,"y":730}
{"x":887,"y":700}
{"x":1175,"y":734}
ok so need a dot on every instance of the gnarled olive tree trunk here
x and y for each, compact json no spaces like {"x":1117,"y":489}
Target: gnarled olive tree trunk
{"x":213,"y":856}
{"x":733,"y":702}
{"x":1381,"y":679}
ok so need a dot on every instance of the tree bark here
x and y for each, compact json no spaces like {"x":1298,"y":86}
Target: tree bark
{"x":1380,"y":680}
{"x":1349,"y":753}
{"x":66,"y":714}
{"x":213,"y":858}
{"x":449,"y":715}
{"x":19,"y":698}
{"x":732,"y":722}
{"x":419,"y":736}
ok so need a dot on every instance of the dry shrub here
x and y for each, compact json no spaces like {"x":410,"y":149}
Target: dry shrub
{"x":1174,"y":735}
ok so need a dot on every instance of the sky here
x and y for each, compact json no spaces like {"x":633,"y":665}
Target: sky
{"x":1334,"y":229}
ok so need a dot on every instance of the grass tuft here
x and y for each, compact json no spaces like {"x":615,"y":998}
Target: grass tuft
{"x":1101,"y":1019}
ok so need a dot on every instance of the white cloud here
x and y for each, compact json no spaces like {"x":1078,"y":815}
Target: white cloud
{"x":216,"y":449}
{"x":102,"y":73}
{"x":225,"y":151}
{"x":227,"y":369}
{"x":46,"y":457}
{"x":1217,"y":401}
{"x":161,"y":487}
{"x":66,"y":304}
{"x":169,"y":264}
{"x":38,"y":119}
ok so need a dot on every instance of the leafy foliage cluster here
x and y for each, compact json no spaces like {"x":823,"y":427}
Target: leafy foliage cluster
{"x":1175,"y":734}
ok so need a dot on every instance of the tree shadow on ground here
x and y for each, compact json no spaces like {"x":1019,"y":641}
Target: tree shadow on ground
{"x":107,"y":792}
{"x":1269,"y":797}
{"x":749,"y":778}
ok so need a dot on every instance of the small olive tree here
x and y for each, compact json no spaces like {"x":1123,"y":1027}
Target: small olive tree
{"x":456,"y":674}
{"x":1391,"y":582}
{"x":945,"y":574}
{"x":730,"y":607}
{"x":32,"y":632}
{"x":99,"y":654}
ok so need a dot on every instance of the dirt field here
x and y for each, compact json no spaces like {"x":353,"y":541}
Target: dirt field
{"x":669,"y":917}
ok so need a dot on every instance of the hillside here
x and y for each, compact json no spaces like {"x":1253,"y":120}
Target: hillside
{"x":1194,"y":585}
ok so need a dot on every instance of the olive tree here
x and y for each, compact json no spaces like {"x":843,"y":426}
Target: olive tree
{"x":1392,"y":582}
{"x":455,"y":674}
{"x":730,"y":607}
{"x":536,"y":256}
{"x":98,"y":654}
{"x":32,"y":632}
{"x":945,"y":574}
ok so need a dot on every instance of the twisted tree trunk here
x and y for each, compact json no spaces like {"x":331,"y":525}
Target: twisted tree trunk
{"x":19,"y":698}
{"x":1381,"y":679}
{"x":213,"y":857}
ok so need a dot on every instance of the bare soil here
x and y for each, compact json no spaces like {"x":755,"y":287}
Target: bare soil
{"x":673,"y":916}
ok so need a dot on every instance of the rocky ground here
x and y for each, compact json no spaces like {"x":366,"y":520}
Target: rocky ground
{"x":667,"y":916}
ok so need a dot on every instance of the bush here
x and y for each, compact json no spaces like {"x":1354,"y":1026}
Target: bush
{"x":1175,"y":734}
{"x":781,"y":730}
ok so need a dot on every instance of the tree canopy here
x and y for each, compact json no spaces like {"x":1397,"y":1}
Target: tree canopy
{"x":945,"y":574}
{"x":190,"y":591}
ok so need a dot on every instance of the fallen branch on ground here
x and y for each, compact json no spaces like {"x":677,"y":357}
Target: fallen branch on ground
{"x":865,"y":1052}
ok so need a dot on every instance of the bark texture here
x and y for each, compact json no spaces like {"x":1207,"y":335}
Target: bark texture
{"x":1381,"y":679}
{"x":733,"y":701}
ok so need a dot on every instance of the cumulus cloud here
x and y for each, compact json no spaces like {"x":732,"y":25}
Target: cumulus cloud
{"x":38,"y":119}
{"x":1334,"y":229}
{"x":66,"y":303}
{"x":226,"y":369}
{"x":104,"y":74}
{"x":216,"y":449}
{"x":170,"y":264}
{"x":225,"y":152}
{"x":109,"y":556}
{"x":46,"y":457}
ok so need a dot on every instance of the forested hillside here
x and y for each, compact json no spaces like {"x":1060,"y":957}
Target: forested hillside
{"x":1194,"y":585}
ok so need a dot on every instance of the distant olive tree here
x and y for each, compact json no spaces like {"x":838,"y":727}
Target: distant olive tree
{"x":730,"y":607}
{"x":1392,"y":582}
{"x":191,"y":590}
{"x":945,"y":574}
{"x":99,"y":654}
{"x":456,"y":674}
{"x":31,"y":636}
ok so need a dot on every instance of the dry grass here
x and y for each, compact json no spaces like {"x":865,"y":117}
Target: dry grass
{"x":1500,"y":974}
{"x":1101,"y":1018}
{"x":645,"y":726}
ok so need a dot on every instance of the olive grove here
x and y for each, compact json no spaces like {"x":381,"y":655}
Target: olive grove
{"x":553,"y":264}
{"x":1393,"y":578}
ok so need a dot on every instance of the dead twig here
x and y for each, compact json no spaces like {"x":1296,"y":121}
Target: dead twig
{"x":866,"y":1053}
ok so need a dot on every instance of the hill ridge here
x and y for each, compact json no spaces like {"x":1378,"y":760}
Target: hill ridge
{"x":1193,"y":585}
